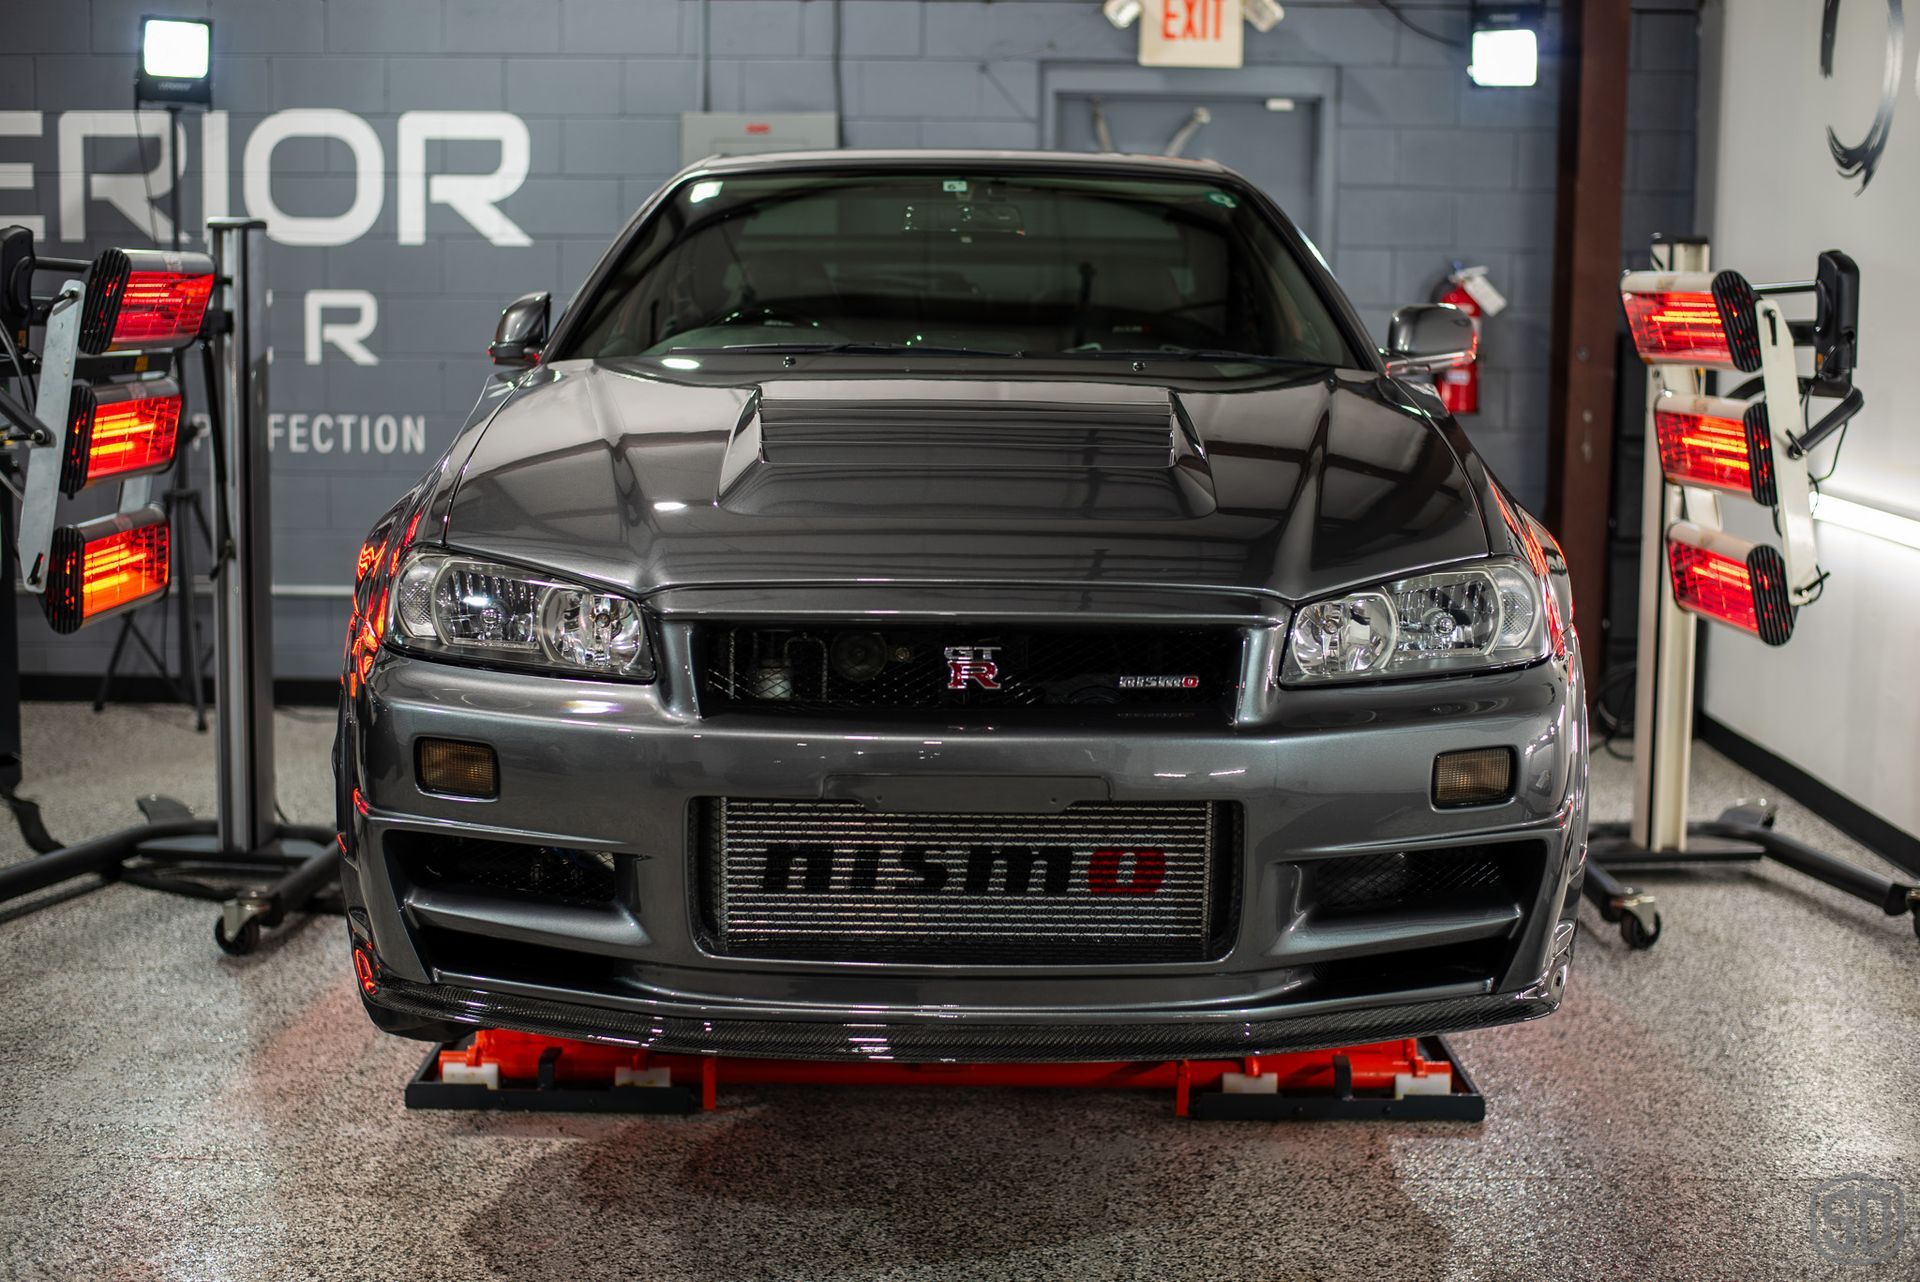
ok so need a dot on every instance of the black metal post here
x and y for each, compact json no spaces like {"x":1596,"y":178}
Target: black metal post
{"x":9,"y":659}
{"x":243,"y":606}
{"x":174,"y":171}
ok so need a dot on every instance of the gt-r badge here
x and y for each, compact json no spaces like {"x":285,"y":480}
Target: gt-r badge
{"x":1183,"y":682}
{"x":972,"y":665}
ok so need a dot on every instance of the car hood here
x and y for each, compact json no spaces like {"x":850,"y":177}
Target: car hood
{"x":1289,"y":485}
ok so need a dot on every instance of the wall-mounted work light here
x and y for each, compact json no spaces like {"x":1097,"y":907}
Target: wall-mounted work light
{"x":1505,"y":48}
{"x":176,"y":62}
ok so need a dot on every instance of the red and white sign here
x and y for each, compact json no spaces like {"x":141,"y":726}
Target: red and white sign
{"x":1190,"y":33}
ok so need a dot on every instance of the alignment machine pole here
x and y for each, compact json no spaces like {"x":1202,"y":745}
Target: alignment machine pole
{"x":243,"y":623}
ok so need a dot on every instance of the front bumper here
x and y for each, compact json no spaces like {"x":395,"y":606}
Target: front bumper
{"x":1333,"y":774}
{"x":976,"y":1039}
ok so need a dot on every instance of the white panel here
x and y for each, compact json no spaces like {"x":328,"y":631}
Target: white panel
{"x":1839,"y":700}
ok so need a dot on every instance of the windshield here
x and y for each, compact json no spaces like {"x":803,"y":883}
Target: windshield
{"x":999,"y":263}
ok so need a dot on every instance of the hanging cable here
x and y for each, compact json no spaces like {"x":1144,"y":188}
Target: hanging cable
{"x":19,"y":366}
{"x":1400,"y":17}
{"x":146,"y":175}
{"x":1615,"y":723}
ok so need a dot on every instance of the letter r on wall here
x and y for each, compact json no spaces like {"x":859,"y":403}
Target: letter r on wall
{"x":349,"y":336}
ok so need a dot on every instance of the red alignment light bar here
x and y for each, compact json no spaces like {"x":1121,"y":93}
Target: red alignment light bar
{"x":1692,"y":318}
{"x":102,"y":567}
{"x":144,"y":298}
{"x":119,"y":430}
{"x":1730,"y":581}
{"x":1716,"y":442}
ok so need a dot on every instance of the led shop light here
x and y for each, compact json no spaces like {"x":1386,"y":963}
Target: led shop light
{"x":176,"y":61}
{"x":1505,"y":48}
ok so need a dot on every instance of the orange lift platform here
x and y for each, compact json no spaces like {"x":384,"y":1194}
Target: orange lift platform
{"x":1414,"y":1079}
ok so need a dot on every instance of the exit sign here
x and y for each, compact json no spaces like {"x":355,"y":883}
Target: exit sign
{"x":1190,"y":33}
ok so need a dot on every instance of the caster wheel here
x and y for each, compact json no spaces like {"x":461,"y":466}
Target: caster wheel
{"x":238,"y":945}
{"x":1638,"y":937}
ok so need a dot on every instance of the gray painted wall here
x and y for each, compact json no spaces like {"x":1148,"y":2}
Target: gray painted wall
{"x":1428,"y":169}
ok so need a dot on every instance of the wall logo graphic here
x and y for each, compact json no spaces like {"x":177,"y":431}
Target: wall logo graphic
{"x":1860,"y":159}
{"x":1858,"y":1219}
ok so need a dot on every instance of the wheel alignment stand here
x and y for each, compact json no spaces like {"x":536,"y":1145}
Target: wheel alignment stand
{"x":173,"y":850}
{"x":1659,"y":835}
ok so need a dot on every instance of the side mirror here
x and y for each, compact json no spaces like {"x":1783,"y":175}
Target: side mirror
{"x":522,"y":331}
{"x":1428,"y":336}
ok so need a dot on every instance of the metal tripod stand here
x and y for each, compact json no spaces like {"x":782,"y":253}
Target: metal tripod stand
{"x":181,"y":501}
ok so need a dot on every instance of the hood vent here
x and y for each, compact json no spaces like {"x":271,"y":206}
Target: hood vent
{"x":930,"y":449}
{"x":1028,"y":435}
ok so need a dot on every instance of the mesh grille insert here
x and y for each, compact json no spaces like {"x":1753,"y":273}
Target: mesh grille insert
{"x":1098,"y":882}
{"x":823,"y":669}
{"x":558,"y":874}
{"x":1396,"y":879}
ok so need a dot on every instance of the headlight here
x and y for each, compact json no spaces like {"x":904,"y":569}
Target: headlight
{"x":1483,"y":616}
{"x":459,"y":606}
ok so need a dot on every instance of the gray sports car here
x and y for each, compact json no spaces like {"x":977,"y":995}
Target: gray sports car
{"x":962,"y":606}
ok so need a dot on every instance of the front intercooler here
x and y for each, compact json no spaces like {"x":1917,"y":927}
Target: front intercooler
{"x":1099,"y":882}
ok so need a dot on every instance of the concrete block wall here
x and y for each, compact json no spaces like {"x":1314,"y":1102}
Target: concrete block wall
{"x":1429,"y":169}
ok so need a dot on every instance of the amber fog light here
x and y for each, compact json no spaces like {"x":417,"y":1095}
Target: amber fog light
{"x":1478,"y":777}
{"x":457,"y":769}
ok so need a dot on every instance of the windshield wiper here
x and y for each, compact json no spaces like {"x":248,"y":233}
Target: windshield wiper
{"x":1186,"y":354}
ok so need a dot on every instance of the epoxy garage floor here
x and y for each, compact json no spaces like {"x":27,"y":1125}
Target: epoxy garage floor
{"x":169,"y":1112}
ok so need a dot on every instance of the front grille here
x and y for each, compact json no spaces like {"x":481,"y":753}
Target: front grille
{"x":558,"y":874}
{"x":1103,"y":882}
{"x":963,"y":666}
{"x":1394,"y":880}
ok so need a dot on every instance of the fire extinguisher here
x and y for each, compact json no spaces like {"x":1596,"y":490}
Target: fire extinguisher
{"x":1468,"y":289}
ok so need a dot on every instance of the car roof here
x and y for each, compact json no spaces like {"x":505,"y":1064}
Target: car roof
{"x":921,"y":158}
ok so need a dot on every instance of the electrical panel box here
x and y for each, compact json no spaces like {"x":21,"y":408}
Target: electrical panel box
{"x":720,"y":133}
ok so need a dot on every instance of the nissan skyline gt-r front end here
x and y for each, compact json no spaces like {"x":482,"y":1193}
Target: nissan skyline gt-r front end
{"x":999,"y":694}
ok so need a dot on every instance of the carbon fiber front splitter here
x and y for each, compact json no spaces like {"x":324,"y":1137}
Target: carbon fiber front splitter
{"x":966,"y":1041}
